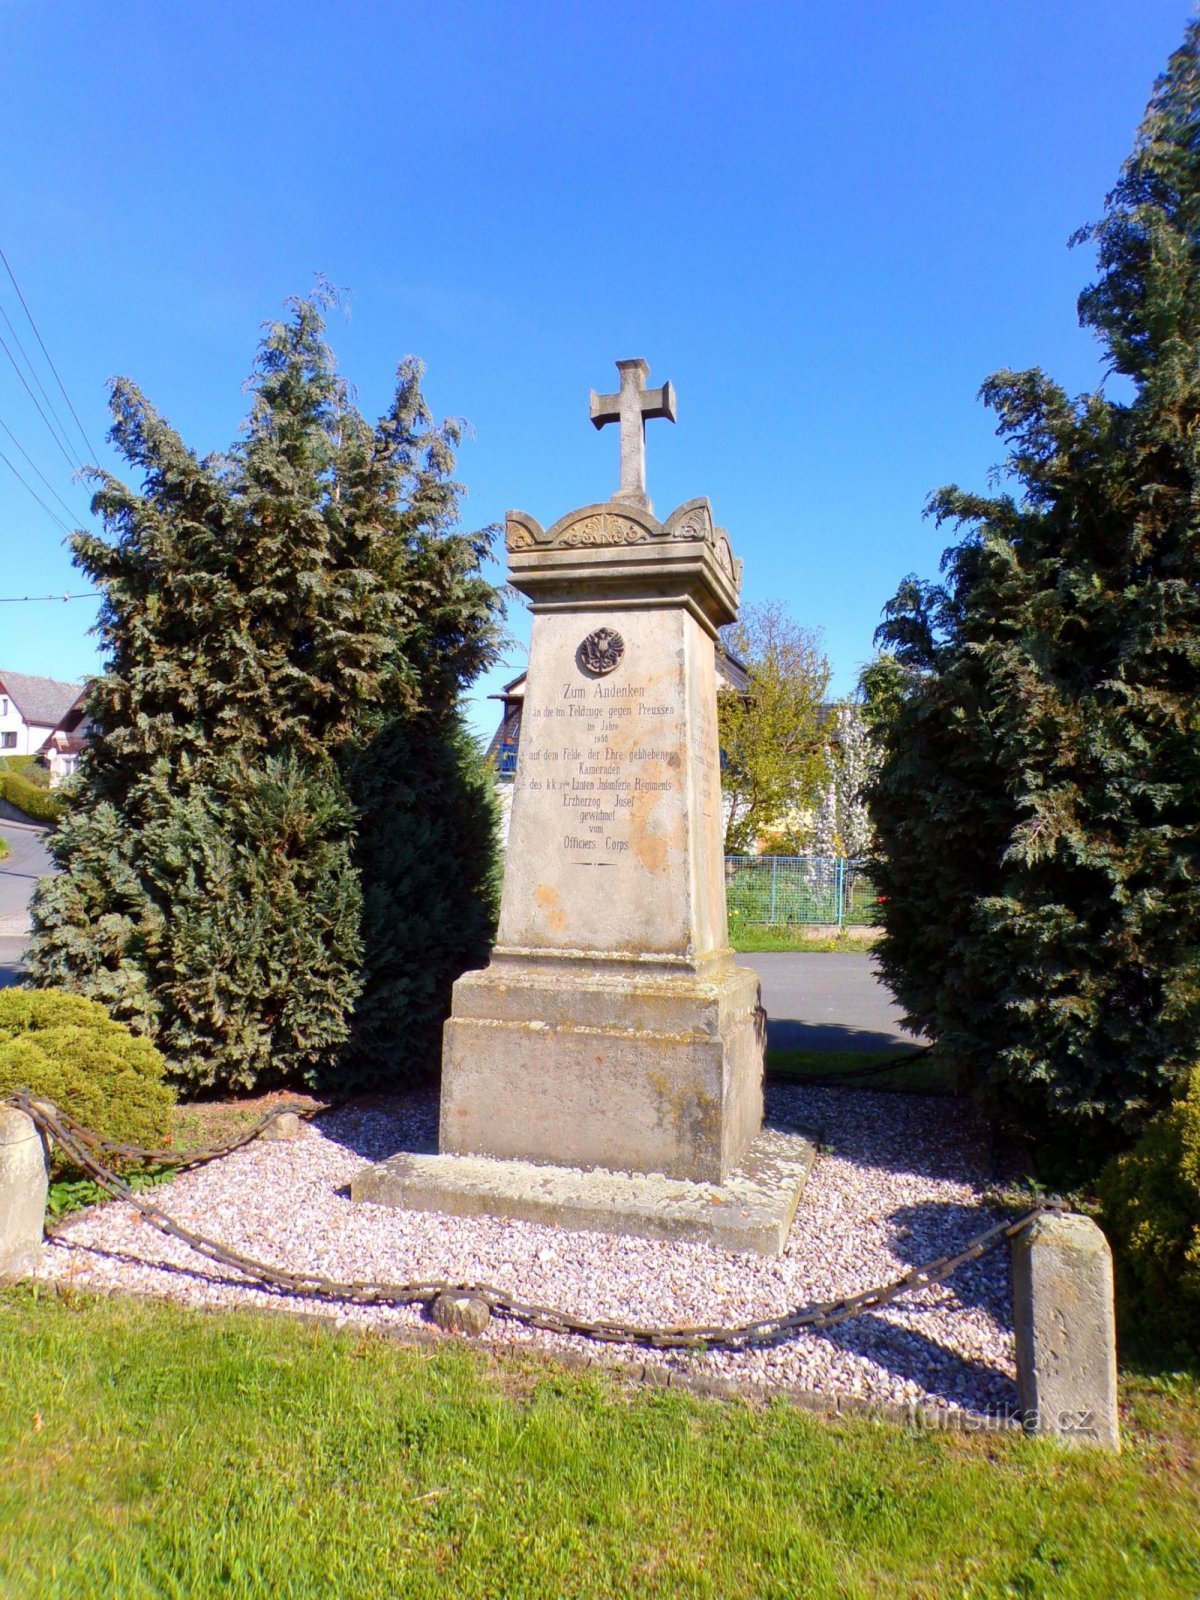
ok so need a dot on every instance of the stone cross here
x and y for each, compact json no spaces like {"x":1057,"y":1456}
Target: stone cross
{"x":631,"y":407}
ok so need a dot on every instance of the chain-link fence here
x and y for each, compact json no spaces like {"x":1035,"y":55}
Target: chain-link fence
{"x":827,"y":890}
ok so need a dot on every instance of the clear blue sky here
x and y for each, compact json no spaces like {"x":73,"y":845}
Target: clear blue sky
{"x":825,"y":223}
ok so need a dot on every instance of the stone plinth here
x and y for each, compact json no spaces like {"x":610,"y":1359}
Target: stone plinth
{"x":751,"y":1211}
{"x":641,"y":1072}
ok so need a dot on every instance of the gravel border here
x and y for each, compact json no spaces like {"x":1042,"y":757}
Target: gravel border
{"x":900,"y":1180}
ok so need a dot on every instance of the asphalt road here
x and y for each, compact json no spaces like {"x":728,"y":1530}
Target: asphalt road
{"x":29,"y":860}
{"x":826,"y":1001}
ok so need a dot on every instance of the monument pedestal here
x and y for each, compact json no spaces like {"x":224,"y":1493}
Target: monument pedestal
{"x":605,"y":1070}
{"x":601,"y":1064}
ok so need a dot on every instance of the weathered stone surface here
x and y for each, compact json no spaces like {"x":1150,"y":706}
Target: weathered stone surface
{"x":1066,"y":1330}
{"x":287,"y":1125}
{"x":24,"y":1177}
{"x":627,"y":1071}
{"x":461,"y":1313}
{"x":612,"y":1028}
{"x":632,"y":407}
{"x":750,"y":1211}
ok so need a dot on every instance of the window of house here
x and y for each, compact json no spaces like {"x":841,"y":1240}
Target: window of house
{"x":8,"y":741}
{"x":3,"y":705}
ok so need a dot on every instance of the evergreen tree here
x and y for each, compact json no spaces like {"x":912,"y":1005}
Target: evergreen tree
{"x":1039,"y":807}
{"x":428,"y":860}
{"x":270,"y":618}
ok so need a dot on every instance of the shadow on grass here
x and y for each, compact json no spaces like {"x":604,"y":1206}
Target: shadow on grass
{"x":912,"y":1069}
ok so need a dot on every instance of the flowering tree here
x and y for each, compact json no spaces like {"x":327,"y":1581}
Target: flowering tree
{"x":843,"y":826}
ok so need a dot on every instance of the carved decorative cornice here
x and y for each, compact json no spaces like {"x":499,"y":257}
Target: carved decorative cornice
{"x":608,"y":525}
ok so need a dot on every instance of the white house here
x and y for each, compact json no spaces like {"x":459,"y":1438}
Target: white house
{"x":41,"y":717}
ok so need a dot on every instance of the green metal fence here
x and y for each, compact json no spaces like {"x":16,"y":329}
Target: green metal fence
{"x":828,"y":890}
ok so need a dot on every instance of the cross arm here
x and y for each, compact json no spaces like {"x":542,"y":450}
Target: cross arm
{"x":651,"y":402}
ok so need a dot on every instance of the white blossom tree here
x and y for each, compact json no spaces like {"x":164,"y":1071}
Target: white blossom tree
{"x":842,"y":826}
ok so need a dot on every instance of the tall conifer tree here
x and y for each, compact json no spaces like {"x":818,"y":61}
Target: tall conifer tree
{"x":1039,"y":809}
{"x":278,"y":623}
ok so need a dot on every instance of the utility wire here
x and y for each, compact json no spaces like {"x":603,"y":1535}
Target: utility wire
{"x":24,"y":599}
{"x":88,"y":446}
{"x":72,"y":464}
{"x":37,"y":469}
{"x":34,"y":374}
{"x":52,"y":514}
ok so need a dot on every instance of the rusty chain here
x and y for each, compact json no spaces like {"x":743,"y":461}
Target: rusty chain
{"x":185,"y":1160}
{"x":79,"y":1145}
{"x":188,"y":1159}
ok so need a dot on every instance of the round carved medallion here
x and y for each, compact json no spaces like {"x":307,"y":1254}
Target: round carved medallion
{"x":601,"y":651}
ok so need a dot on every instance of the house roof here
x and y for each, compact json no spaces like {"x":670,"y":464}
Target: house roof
{"x":513,"y":690}
{"x":732,"y":668}
{"x":69,"y":744}
{"x":41,"y":700}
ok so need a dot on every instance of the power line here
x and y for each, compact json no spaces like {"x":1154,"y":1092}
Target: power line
{"x":72,"y":464}
{"x":24,"y":599}
{"x":33,"y":373}
{"x":36,"y":468}
{"x":88,"y":446}
{"x":51,"y":514}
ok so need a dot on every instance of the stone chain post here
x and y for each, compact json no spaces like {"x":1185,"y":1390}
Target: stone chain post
{"x":24,"y":1182}
{"x":1066,"y":1330}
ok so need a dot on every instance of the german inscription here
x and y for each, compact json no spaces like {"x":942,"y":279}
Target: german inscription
{"x":617,"y":754}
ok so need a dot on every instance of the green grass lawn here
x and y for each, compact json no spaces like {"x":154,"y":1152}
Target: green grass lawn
{"x":148,"y":1451}
{"x":752,"y":937}
{"x":915,"y":1071}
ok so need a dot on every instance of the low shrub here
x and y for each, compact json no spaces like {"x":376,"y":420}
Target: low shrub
{"x":39,"y":805}
{"x":68,"y":1050}
{"x":29,"y":767}
{"x":1150,"y":1201}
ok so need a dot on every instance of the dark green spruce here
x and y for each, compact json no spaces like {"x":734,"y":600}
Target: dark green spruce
{"x":282,"y":851}
{"x":1039,"y":808}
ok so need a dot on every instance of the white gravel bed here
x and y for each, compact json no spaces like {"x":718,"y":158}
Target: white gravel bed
{"x":898,"y":1182}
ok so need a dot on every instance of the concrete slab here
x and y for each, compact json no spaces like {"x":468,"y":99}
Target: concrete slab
{"x":751,"y":1211}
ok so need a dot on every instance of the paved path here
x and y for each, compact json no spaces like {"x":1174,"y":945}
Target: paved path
{"x":826,"y":1001}
{"x":28,"y":861}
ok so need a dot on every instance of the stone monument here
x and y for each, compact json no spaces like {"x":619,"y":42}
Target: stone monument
{"x":605,"y":1069}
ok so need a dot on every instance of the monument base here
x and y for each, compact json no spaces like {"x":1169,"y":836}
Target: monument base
{"x":751,"y":1211}
{"x":602,"y":1061}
